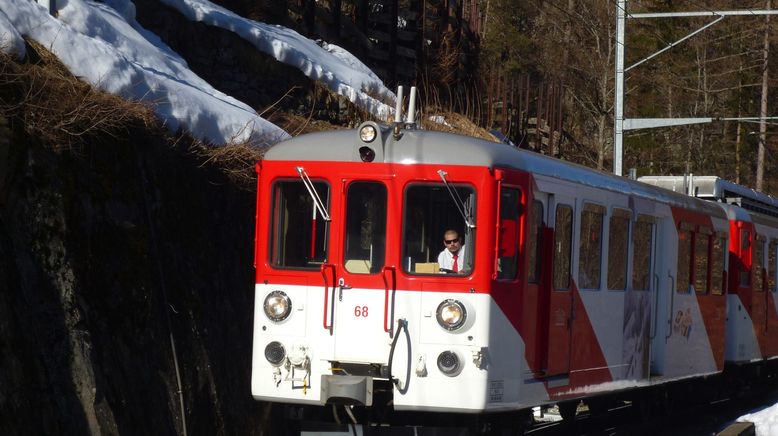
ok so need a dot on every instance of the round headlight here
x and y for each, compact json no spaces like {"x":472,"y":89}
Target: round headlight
{"x":367,"y":133}
{"x":275,"y":353}
{"x":449,"y":363}
{"x":277,"y":306}
{"x":451,"y":314}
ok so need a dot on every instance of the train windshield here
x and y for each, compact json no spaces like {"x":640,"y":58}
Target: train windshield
{"x":299,"y":231}
{"x":437,"y":238}
{"x":365,"y":227}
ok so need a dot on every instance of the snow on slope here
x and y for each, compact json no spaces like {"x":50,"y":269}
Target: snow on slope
{"x":103,"y":44}
{"x":335,"y":67}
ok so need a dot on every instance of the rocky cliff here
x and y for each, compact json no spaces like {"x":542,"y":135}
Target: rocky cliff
{"x":125,"y":266}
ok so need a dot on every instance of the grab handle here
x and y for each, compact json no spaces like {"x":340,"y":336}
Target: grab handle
{"x":327,"y":302}
{"x":655,"y":306}
{"x":388,"y":327}
{"x":672,"y":307}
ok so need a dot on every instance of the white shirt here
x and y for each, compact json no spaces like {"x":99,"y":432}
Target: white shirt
{"x":446,"y":259}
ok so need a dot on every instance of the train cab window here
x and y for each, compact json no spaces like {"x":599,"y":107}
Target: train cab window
{"x":431,"y":210}
{"x":757,"y":264}
{"x":299,"y":232}
{"x":683,"y":278}
{"x":719,"y":253}
{"x":508,"y":252}
{"x":745,"y":245}
{"x":590,"y":246}
{"x":618,"y":244}
{"x":642,"y":236}
{"x":771,"y":260}
{"x":563,"y":242}
{"x":534,"y":241}
{"x":701,"y":256}
{"x":365,"y":227}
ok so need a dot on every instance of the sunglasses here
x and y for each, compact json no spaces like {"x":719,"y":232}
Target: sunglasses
{"x":450,"y":241}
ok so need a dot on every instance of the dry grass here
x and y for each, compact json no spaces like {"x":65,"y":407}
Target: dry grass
{"x":236,"y":161}
{"x":457,"y":123}
{"x":58,"y":109}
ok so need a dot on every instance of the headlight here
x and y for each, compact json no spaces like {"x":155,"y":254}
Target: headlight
{"x":277,"y":306}
{"x":275,"y":353}
{"x":451,"y":314}
{"x":367,"y":133}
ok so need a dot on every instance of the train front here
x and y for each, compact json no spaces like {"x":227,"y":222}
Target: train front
{"x":385,"y":273}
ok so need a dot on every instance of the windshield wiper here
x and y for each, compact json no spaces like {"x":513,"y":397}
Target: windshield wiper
{"x":318,"y":204}
{"x":458,"y":202}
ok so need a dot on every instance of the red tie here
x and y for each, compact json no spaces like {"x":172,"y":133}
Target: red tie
{"x":455,"y":267}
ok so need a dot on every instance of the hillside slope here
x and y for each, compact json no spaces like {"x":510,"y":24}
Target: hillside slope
{"x":107,"y":251}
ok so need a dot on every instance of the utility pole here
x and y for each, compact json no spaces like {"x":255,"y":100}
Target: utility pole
{"x":621,"y":123}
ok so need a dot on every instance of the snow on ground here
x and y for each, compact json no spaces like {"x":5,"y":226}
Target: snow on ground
{"x":335,"y":67}
{"x":103,"y":44}
{"x":765,"y":420}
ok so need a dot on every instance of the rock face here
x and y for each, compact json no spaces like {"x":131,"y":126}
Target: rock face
{"x":111,"y":258}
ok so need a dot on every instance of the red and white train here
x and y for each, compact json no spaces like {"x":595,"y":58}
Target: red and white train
{"x":575,"y":283}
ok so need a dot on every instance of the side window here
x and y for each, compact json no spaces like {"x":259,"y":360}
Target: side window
{"x":434,"y":228}
{"x":299,"y":234}
{"x":701,"y":255}
{"x":563,"y":241}
{"x":534,"y":241}
{"x":771,"y":259}
{"x":717,"y":265}
{"x":590,"y":246}
{"x":684,"y":258}
{"x":508,"y":256}
{"x":618,"y":240}
{"x":745,"y":245}
{"x":642,"y":236}
{"x":365,"y":227}
{"x":757,"y":264}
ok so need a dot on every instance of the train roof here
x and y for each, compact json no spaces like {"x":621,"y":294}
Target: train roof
{"x":430,"y":147}
{"x":715,"y":188}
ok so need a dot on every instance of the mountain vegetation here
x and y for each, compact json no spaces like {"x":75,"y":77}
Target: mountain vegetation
{"x":542,"y":73}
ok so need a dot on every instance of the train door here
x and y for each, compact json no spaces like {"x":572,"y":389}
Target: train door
{"x":561,"y":213}
{"x":365,"y":283}
{"x":535,"y":308}
{"x":759,"y":295}
{"x":641,"y":300}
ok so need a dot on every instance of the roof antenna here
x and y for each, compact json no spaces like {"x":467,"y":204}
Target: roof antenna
{"x":412,"y":108}
{"x":398,"y":113}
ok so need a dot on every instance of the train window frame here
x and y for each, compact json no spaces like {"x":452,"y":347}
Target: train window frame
{"x":431,"y":268}
{"x":618,"y":213}
{"x":557,"y":280}
{"x":717,"y":278}
{"x":537,"y":221}
{"x":361,"y":265}
{"x":590,"y":255}
{"x":273,"y":230}
{"x":685,"y":259}
{"x":502,"y":273}
{"x":758,"y":252}
{"x":637,"y":231}
{"x":703,"y":233}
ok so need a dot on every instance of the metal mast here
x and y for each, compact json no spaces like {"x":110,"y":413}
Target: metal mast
{"x":620,"y":122}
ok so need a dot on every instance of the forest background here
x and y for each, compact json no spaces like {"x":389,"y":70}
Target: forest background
{"x":541,"y":72}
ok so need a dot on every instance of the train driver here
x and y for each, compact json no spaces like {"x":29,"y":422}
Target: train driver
{"x":452,"y":258}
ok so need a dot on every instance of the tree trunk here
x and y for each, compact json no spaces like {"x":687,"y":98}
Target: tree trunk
{"x":763,"y":108}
